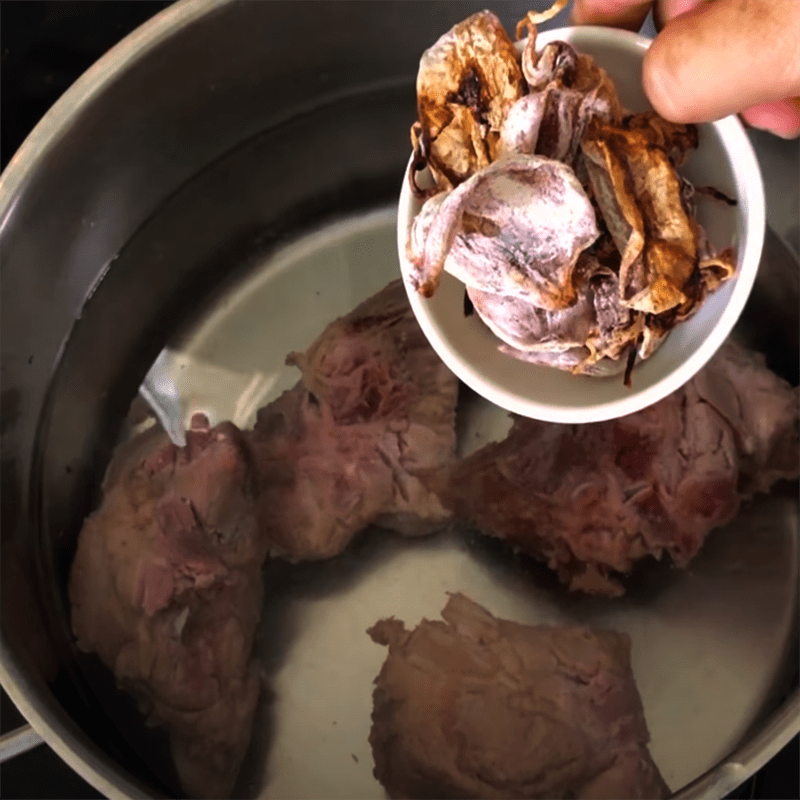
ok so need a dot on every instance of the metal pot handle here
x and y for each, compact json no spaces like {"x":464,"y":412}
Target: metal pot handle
{"x":19,"y":741}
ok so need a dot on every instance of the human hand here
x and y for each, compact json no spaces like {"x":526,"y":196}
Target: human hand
{"x":716,"y":58}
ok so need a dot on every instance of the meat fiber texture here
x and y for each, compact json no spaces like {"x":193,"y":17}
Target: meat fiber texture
{"x":166,"y":582}
{"x":593,"y":499}
{"x":478,"y":707}
{"x":362,"y":438}
{"x":166,"y":589}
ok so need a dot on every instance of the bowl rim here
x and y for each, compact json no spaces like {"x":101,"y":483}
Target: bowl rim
{"x":734,"y":141}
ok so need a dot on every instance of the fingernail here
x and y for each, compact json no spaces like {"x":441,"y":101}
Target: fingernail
{"x":788,"y":136}
{"x":781,"y":118}
{"x":784,"y":135}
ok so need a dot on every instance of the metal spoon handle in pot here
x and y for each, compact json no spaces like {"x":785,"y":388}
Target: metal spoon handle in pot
{"x":160,"y":393}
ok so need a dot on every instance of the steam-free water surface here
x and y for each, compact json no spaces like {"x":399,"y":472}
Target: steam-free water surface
{"x":711,"y":644}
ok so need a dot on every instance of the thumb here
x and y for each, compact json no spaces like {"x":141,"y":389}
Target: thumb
{"x":723,"y":57}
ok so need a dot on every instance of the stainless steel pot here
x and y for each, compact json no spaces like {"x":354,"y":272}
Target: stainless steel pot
{"x":125,"y":213}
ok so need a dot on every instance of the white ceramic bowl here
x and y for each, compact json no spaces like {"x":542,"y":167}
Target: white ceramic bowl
{"x":724,"y":159}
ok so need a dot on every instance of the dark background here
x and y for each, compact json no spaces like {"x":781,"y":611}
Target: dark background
{"x":46,"y":46}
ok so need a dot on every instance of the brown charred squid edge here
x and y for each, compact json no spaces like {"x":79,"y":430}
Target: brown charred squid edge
{"x":418,"y":162}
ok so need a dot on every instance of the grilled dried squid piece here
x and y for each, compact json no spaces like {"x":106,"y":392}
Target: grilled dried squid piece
{"x":667,"y":268}
{"x":631,"y":171}
{"x":592,"y":336}
{"x":566,"y":90}
{"x":711,"y":273}
{"x":515,"y":228}
{"x":466,"y":83}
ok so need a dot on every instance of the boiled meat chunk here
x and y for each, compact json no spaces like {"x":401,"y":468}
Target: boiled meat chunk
{"x":166,"y":589}
{"x":762,"y":412}
{"x":166,"y":583}
{"x":592,"y":499}
{"x":479,"y":707}
{"x":359,"y":438}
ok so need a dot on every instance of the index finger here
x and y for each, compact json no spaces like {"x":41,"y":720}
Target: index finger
{"x":628,"y":14}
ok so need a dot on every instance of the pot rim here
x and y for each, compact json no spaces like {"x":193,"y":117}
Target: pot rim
{"x":725,"y":776}
{"x":59,"y":732}
{"x":89,"y":87}
{"x":56,"y":733}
